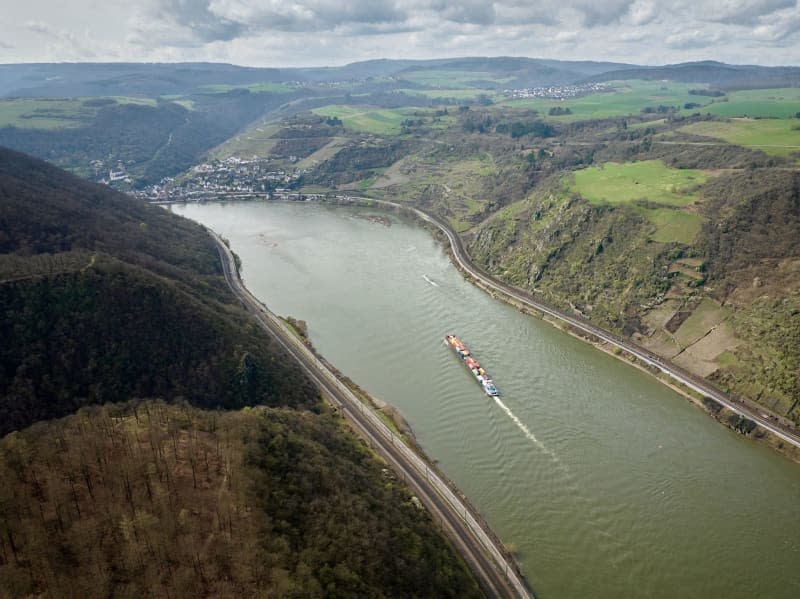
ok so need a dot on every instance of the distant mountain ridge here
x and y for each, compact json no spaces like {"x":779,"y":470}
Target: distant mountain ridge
{"x":152,"y":79}
{"x":712,"y":73}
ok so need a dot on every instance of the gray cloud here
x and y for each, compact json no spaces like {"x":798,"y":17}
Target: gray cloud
{"x":197,"y":17}
{"x":778,"y":27}
{"x":302,"y":15}
{"x":521,"y":12}
{"x":744,"y":12}
{"x":314,"y":32}
{"x":39,"y":27}
{"x":197,"y":22}
{"x":476,"y":12}
{"x":643,"y":12}
{"x":692,"y":38}
{"x":602,"y":12}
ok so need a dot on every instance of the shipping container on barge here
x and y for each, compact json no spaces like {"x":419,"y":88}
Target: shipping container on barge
{"x":471,"y":363}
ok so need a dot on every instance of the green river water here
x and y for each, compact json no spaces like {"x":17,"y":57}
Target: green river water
{"x":605,"y":483}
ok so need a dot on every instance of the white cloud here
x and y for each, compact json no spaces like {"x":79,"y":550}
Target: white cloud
{"x":777,"y":30}
{"x":601,"y":12}
{"x":67,"y":45}
{"x":642,"y":12}
{"x":316,"y":32}
{"x":566,"y":36}
{"x":742,"y":12}
{"x":692,"y":38}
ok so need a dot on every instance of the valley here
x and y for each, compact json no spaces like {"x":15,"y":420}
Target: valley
{"x":656,"y":206}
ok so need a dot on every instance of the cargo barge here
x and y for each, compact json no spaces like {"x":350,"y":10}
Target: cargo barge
{"x":471,"y":363}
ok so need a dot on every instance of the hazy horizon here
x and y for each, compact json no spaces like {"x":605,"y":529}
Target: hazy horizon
{"x":384,"y":58}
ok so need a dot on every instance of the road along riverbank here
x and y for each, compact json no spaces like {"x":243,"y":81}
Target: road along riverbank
{"x":615,"y":487}
{"x":736,"y":413}
{"x":495,"y":569}
{"x":731,"y":411}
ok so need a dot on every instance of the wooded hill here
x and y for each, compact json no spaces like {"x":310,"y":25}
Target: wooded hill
{"x":105,"y":300}
{"x":151,"y":140}
{"x":157,"y":500}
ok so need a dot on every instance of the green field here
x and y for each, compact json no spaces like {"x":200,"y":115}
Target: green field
{"x":673,"y":225}
{"x":703,"y":318}
{"x":779,"y":103}
{"x":178,"y":99}
{"x":458,"y":94}
{"x":646,"y":124}
{"x":623,"y":98}
{"x":254,"y":141}
{"x":365,"y":184}
{"x":773,"y":136}
{"x":263,"y":87}
{"x":329,"y":150}
{"x":54,"y":113}
{"x":451,"y":79}
{"x":615,"y":183}
{"x":382,"y":121}
{"x":187,"y":104}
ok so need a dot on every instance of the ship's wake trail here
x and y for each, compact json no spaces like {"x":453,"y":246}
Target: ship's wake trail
{"x":434,"y":283}
{"x":531,"y":437}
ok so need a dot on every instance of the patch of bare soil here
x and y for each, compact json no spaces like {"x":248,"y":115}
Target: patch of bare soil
{"x":392,"y":176}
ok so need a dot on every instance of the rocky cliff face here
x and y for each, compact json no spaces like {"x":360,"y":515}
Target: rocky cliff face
{"x":726,"y":306}
{"x":597,"y":260}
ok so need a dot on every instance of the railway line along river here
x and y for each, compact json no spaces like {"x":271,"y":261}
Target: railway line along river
{"x":604,"y":482}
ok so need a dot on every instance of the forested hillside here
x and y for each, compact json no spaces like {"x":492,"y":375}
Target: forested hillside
{"x":154,"y":500}
{"x":150,"y":139}
{"x":105,"y":300}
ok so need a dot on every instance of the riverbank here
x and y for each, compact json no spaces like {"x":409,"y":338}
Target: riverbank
{"x":735,"y":414}
{"x":463,"y":511}
{"x":597,"y":477}
{"x":391,"y":416}
{"x":724,"y":415}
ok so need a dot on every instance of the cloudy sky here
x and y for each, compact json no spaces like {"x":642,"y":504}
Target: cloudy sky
{"x":333,"y":32}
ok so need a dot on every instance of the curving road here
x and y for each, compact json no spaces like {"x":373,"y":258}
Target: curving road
{"x":497,"y":574}
{"x":683,"y":377}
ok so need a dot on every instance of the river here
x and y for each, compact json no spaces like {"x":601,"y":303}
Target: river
{"x":604,"y":483}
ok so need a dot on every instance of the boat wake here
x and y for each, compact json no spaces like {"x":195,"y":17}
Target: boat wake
{"x":521,"y":425}
{"x":434,"y":283}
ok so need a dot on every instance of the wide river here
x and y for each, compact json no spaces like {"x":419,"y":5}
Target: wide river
{"x":603,"y":482}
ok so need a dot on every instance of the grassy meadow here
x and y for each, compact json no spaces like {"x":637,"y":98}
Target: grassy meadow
{"x":458,"y":94}
{"x":650,"y":180}
{"x":622,"y":99}
{"x":780,"y":103}
{"x":673,"y":226}
{"x":779,"y":137}
{"x":262,"y":87}
{"x":615,"y":183}
{"x":381,"y":121}
{"x":55,"y":113}
{"x":447,"y":79}
{"x":256,"y":140}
